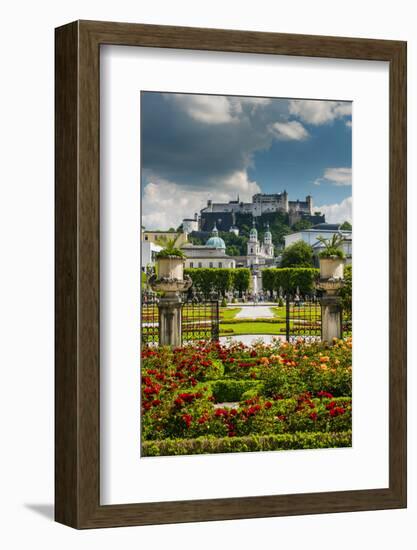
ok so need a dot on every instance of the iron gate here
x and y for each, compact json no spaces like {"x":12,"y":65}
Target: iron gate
{"x":149,"y":318}
{"x":302,"y":317}
{"x":200,"y":319}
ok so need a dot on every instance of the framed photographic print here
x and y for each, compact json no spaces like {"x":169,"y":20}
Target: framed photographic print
{"x":230,"y":274}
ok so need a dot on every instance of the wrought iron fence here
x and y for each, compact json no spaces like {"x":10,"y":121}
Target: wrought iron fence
{"x":302,"y":317}
{"x":200,"y":320}
{"x":149,"y":318}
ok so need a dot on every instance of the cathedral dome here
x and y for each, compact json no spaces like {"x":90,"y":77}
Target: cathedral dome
{"x":215,"y":241}
{"x":253,"y":235}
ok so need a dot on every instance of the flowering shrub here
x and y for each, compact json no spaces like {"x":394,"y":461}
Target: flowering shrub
{"x":235,"y":391}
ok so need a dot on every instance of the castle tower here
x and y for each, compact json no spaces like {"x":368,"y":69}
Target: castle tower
{"x":285,"y":200}
{"x":309,"y":201}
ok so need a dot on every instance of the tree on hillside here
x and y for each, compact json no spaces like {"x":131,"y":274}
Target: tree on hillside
{"x":234,"y":242}
{"x":233,"y":250}
{"x":301,"y":225}
{"x":299,"y":254}
{"x":346,"y":226}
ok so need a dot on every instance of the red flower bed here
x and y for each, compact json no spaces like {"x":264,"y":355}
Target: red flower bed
{"x":298,"y":388}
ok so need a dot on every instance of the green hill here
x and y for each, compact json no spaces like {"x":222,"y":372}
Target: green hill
{"x":278,"y":225}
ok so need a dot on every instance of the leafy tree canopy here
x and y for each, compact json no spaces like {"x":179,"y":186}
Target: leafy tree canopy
{"x":299,"y":254}
{"x":301,"y":225}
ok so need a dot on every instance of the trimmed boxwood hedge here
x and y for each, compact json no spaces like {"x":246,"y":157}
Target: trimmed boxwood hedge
{"x":219,"y":279}
{"x":225,"y":390}
{"x":252,"y":443}
{"x":289,"y":279}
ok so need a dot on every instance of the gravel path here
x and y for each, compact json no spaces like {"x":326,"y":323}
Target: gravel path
{"x":253,"y":312}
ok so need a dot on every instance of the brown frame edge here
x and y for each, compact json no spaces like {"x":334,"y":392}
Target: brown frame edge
{"x":77,"y":379}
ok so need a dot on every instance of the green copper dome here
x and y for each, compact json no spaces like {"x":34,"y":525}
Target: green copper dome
{"x":215,"y":241}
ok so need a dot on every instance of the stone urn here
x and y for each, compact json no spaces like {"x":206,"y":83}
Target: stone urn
{"x":171,"y":282}
{"x":171,"y":267}
{"x":170,"y":278}
{"x":331,"y":268}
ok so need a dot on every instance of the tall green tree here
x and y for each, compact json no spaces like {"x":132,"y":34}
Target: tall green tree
{"x":241,"y":279}
{"x":301,"y":225}
{"x":299,"y":254}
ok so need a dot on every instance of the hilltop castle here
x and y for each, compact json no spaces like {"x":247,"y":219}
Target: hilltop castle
{"x":224,"y":214}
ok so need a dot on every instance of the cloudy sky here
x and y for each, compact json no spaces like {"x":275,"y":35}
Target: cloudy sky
{"x":196,"y":147}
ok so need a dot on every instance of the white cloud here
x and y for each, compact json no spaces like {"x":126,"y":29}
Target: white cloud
{"x":165,"y":204}
{"x":319,"y":112}
{"x":254,"y":102}
{"x":338,"y":176}
{"x":210,"y":109}
{"x":292,"y":130}
{"x":338,"y":212}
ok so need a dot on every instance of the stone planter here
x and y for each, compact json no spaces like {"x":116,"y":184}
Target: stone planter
{"x":171,"y":267}
{"x":170,"y":281}
{"x":331,"y":268}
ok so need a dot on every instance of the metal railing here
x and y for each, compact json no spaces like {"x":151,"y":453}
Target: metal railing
{"x":199,"y":319}
{"x":149,"y":318}
{"x":302,"y":317}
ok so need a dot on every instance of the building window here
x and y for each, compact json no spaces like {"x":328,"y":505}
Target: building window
{"x":251,"y":250}
{"x":191,"y":264}
{"x":146,"y":237}
{"x":220,"y":264}
{"x":200,"y":264}
{"x":210,"y":264}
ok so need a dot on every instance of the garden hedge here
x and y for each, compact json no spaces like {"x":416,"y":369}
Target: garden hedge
{"x":219,"y":280}
{"x":289,"y":279}
{"x":252,"y":443}
{"x":229,"y":390}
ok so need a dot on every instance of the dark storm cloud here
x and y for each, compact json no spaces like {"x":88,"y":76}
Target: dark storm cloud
{"x":180,"y":146}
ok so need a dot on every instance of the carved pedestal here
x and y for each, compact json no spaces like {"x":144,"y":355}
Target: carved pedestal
{"x":170,"y":320}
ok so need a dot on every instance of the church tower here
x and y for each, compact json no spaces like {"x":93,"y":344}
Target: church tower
{"x":253,"y":243}
{"x":268,"y":245}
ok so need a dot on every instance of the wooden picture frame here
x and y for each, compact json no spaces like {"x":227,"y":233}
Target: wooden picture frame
{"x":77,"y":405}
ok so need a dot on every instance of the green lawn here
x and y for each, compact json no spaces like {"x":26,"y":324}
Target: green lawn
{"x":229,"y":312}
{"x":278,"y":311}
{"x":297,"y":312}
{"x":248,"y":327}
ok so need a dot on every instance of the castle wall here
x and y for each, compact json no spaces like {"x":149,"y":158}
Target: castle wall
{"x":222,"y":213}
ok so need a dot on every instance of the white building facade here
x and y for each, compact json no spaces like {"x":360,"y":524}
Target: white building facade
{"x":326,"y":231}
{"x":211,"y":255}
